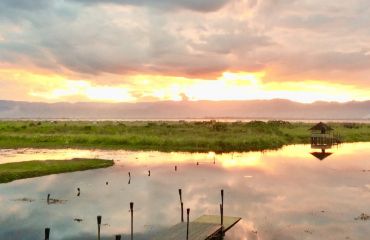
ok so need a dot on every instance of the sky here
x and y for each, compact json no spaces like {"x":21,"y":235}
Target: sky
{"x":146,"y":50}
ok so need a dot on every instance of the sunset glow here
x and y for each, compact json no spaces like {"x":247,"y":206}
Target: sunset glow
{"x":218,"y":50}
{"x":85,"y":90}
{"x":228,"y":86}
{"x":137,"y":104}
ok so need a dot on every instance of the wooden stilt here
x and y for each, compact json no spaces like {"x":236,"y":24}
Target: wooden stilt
{"x":132,"y":219}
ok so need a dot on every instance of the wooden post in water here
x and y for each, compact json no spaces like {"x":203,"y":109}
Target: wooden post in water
{"x":98,"y":218}
{"x":132,"y":219}
{"x":180,"y":194}
{"x":222,"y":198}
{"x":48,"y":199}
{"x":222,"y":212}
{"x":182,"y":212}
{"x":182,"y":206}
{"x":222,"y":219}
{"x":118,"y":237}
{"x":187,"y":223}
{"x":47,"y":233}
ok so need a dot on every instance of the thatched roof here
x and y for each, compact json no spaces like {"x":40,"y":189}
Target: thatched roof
{"x":321,"y":126}
{"x":321,"y":155}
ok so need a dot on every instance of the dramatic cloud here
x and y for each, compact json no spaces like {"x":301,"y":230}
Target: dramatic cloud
{"x":204,"y":5}
{"x":109,"y":41}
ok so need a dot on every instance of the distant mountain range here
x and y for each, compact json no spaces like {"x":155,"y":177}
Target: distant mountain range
{"x":256,"y":109}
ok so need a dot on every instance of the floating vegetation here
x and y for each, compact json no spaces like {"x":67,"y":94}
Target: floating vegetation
{"x":308,"y":231}
{"x":56,"y":201}
{"x":363,"y":217}
{"x":24,"y":200}
{"x":167,"y":136}
{"x":78,"y":220}
{"x":19,"y":170}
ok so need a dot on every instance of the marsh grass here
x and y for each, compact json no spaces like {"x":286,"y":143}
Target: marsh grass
{"x":167,"y":136}
{"x":20,"y":170}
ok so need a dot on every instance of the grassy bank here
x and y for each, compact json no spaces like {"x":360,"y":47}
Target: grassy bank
{"x":20,"y":170}
{"x":167,"y":136}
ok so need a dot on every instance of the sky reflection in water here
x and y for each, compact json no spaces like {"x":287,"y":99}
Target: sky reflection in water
{"x":286,"y":194}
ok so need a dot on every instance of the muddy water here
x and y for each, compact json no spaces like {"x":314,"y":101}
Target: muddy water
{"x":285,"y":194}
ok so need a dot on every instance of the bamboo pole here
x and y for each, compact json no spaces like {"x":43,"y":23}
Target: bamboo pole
{"x":187,"y":223}
{"x":47,"y":233}
{"x":98,"y":219}
{"x":132,"y":219}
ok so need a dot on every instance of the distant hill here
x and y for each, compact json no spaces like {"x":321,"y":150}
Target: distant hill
{"x":260,"y":109}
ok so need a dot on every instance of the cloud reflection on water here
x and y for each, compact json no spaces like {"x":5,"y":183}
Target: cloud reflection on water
{"x":288,"y":194}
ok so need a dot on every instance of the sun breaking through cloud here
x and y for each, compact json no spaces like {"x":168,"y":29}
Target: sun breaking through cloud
{"x":111,"y":51}
{"x":229,"y":86}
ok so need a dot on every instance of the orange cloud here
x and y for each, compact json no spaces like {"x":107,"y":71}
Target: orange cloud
{"x":25,"y":85}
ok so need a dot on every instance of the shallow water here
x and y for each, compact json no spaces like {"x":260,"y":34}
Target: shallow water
{"x":286,"y":194}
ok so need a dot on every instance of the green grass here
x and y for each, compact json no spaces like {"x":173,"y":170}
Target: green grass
{"x":167,"y":136}
{"x":20,"y":170}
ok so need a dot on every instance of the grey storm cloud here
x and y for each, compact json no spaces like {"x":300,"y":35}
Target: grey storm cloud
{"x":24,"y":4}
{"x":106,"y":36}
{"x":197,"y":5}
{"x":94,"y":45}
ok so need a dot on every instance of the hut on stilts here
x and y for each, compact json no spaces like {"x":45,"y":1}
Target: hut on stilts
{"x":323,"y":137}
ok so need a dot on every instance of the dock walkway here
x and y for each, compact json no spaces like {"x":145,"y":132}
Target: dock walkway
{"x":205,"y":227}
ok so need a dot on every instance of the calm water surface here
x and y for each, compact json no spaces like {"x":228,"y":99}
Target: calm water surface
{"x":286,"y":194}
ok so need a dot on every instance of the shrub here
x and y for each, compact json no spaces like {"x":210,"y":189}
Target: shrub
{"x":351,"y":125}
{"x":219,"y":127}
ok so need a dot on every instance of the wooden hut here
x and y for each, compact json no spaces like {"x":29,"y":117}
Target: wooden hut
{"x":322,"y":136}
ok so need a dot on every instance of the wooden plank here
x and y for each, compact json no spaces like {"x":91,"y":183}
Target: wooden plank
{"x":202,"y":228}
{"x":229,"y":222}
{"x":197,"y":231}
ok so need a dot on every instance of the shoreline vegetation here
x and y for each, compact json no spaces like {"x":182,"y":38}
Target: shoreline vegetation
{"x":168,"y":136}
{"x":20,"y":170}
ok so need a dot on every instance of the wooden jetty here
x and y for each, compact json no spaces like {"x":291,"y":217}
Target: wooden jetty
{"x":206,"y":227}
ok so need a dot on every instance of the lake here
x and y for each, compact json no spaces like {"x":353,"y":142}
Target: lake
{"x":285,"y":194}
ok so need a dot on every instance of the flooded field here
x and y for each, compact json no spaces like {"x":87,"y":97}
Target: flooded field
{"x":286,"y":194}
